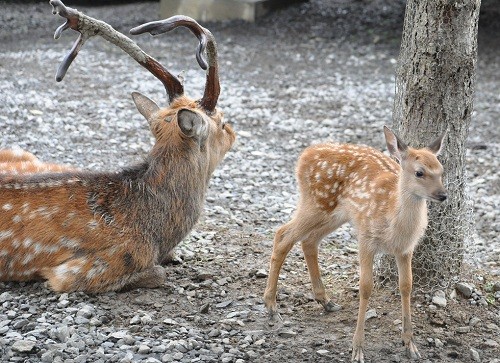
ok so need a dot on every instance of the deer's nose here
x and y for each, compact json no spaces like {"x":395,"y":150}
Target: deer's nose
{"x":441,"y":196}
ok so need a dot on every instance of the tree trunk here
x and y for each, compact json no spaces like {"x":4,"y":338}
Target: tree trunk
{"x":434,"y":92}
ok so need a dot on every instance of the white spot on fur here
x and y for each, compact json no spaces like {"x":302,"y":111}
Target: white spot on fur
{"x":5,"y":234}
{"x":7,"y":206}
{"x":27,"y":242}
{"x":27,"y":259}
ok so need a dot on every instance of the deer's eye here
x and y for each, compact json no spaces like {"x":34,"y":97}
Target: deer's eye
{"x":419,"y":174}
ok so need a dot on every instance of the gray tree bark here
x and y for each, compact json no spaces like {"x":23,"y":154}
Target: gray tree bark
{"x":434,"y":92}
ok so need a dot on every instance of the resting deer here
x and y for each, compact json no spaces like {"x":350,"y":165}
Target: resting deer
{"x":385,"y":202}
{"x":99,"y":232}
{"x":18,"y":161}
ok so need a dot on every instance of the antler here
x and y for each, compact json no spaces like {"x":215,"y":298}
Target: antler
{"x":88,"y":27}
{"x":207,"y":42}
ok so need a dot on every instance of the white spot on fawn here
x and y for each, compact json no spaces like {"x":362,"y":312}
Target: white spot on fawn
{"x":5,"y":234}
{"x":27,"y":242}
{"x":7,"y":206}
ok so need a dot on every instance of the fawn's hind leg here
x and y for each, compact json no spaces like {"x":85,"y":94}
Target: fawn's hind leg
{"x":296,"y":230}
{"x":310,"y":249}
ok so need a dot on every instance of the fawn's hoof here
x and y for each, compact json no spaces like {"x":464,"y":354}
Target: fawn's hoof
{"x":357,"y":354}
{"x":412,"y":351}
{"x":330,"y":306}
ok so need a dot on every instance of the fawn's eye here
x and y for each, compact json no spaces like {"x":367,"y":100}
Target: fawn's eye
{"x":419,"y":174}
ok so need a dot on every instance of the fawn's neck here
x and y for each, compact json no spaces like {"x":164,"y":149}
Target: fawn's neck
{"x":409,"y":217}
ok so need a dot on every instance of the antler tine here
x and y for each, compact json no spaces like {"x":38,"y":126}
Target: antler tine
{"x":207,"y":42}
{"x":88,"y":27}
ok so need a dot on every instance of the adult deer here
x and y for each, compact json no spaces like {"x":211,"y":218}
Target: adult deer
{"x":383,"y":199}
{"x":98,"y":232}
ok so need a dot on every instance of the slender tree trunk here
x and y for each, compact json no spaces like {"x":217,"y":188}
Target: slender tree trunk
{"x":434,"y":92}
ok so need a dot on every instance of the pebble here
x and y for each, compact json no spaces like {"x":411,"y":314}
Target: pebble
{"x":464,"y":289}
{"x":439,"y":298}
{"x":370,"y":314}
{"x":23,"y":346}
{"x":474,"y":354}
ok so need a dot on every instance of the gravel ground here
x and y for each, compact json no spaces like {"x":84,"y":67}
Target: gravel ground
{"x":317,"y":71}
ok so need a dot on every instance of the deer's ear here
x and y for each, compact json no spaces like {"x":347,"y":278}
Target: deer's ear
{"x":397,"y":148}
{"x":193,"y":125}
{"x":437,"y":145}
{"x":146,"y":106}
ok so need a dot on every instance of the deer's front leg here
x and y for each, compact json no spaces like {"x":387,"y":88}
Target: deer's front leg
{"x":405,"y":286}
{"x":365,"y":290}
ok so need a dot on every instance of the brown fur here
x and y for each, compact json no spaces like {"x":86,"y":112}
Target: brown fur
{"x":385,"y":202}
{"x":98,"y":232}
{"x":17,"y":161}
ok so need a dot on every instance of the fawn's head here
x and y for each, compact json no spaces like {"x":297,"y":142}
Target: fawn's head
{"x":421,"y":171}
{"x":194,"y":123}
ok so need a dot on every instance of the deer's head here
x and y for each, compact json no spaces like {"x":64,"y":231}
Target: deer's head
{"x":421,"y":170}
{"x":197,"y":123}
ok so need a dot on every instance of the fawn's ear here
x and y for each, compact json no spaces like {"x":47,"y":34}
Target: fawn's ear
{"x":396,"y":147}
{"x":437,"y":145}
{"x":193,"y":125}
{"x":146,"y":106}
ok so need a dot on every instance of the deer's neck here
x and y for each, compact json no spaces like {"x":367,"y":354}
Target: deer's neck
{"x":409,"y":218}
{"x":168,"y":195}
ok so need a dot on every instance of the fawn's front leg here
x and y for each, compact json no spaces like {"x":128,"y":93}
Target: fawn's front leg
{"x":365,"y":290}
{"x":405,"y":286}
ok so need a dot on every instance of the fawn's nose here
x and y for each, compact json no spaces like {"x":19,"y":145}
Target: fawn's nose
{"x":441,"y":196}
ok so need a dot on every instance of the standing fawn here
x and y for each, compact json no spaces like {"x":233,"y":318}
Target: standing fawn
{"x":384,"y":200}
{"x":99,"y":232}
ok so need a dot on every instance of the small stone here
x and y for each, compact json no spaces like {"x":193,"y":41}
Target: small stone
{"x":136,"y":319}
{"x":438,"y":343}
{"x":439,"y":299}
{"x":205,"y":308}
{"x":463,"y":329}
{"x":474,"y":355}
{"x":48,"y":357}
{"x":23,"y":346}
{"x":370,"y":314}
{"x":5,"y":296}
{"x":261,"y":273}
{"x":490,"y":343}
{"x":464,"y":289}
{"x":169,"y":321}
{"x":214,"y":333}
{"x":287,"y":333}
{"x":178,"y":356}
{"x":143,"y":349}
{"x":224,"y":304}
{"x":118,"y":335}
{"x":474,"y":321}
{"x":322,"y":352}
